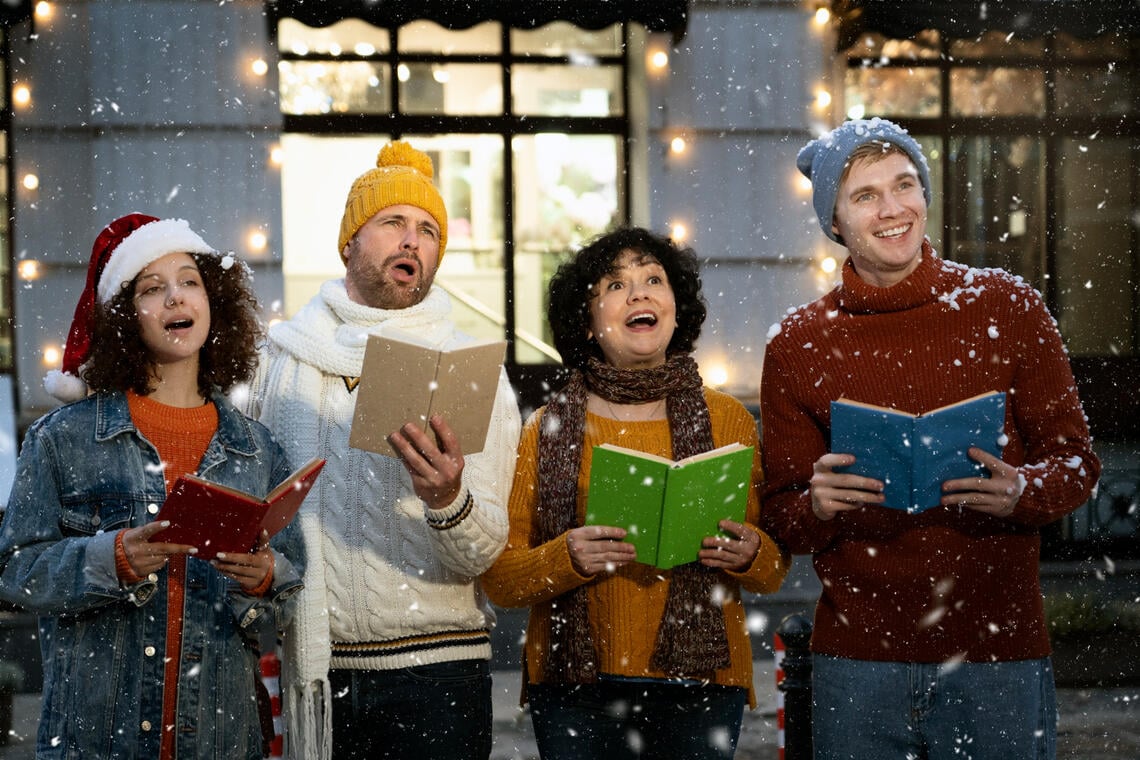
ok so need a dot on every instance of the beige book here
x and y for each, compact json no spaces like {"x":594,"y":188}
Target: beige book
{"x":403,"y":381}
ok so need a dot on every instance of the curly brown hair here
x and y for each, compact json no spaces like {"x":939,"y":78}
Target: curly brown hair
{"x":120,"y":361}
{"x":572,"y":286}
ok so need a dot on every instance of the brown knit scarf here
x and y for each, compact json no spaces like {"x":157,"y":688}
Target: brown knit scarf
{"x":691,"y":640}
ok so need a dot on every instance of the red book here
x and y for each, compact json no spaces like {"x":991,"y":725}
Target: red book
{"x":217,"y":518}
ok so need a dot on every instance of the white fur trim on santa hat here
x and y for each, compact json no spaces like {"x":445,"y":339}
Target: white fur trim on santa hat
{"x":143,"y":247}
{"x":64,"y":386}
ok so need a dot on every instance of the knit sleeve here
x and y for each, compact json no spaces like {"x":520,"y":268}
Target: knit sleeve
{"x":1060,"y":467}
{"x":476,"y":532}
{"x":793,"y":441}
{"x":526,"y":574}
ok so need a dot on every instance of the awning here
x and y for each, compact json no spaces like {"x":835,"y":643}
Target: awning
{"x":901,"y":19}
{"x":14,"y":11}
{"x":655,"y":15}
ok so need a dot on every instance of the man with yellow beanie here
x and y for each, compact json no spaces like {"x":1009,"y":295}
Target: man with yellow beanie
{"x":389,"y":652}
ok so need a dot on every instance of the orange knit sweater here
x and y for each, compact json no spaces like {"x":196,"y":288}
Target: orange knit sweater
{"x":625,"y":607}
{"x":950,"y":582}
{"x":181,"y":437}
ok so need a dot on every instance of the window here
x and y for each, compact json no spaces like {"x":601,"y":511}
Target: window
{"x":1035,"y":142}
{"x":526,"y":129}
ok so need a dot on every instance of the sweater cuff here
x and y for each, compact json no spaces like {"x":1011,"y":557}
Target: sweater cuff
{"x":453,"y":514}
{"x":123,"y":567}
{"x":267,"y":582}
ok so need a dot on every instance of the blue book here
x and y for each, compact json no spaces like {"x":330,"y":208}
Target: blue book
{"x":914,"y":454}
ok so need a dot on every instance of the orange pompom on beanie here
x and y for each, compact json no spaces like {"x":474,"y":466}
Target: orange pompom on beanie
{"x":403,"y":175}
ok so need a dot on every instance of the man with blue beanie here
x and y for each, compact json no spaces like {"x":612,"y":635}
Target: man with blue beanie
{"x":929,"y":637}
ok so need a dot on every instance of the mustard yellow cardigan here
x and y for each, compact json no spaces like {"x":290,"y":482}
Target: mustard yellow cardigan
{"x":626,"y":606}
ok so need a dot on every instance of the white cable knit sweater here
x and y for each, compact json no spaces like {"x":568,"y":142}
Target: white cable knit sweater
{"x":383,"y":589}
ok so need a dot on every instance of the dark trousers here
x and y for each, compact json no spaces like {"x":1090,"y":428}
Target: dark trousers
{"x":429,"y":711}
{"x":618,"y":719}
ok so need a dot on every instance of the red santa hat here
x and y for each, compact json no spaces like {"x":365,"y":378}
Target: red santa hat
{"x":124,"y":248}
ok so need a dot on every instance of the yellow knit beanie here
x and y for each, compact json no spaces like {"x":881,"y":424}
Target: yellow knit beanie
{"x":402,"y":175}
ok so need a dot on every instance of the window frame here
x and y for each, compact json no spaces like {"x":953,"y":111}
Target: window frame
{"x":533,"y":382}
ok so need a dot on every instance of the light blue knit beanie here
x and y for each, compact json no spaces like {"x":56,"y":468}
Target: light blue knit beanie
{"x":822,"y":161}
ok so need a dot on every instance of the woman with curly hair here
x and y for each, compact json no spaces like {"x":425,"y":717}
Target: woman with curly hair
{"x":165,"y":326}
{"x":623,"y":659}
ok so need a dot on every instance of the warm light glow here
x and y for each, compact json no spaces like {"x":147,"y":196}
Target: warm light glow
{"x":276,"y":155}
{"x":259,"y":67}
{"x":803,"y":184}
{"x":658,"y":60}
{"x":822,"y":98}
{"x":43,"y":10}
{"x":822,"y":16}
{"x":52,"y":356}
{"x":403,"y":73}
{"x":364,"y":49}
{"x":28,"y":269}
{"x":21,"y":95}
{"x":442,"y":76}
{"x":716,"y":375}
{"x":829,"y":264}
{"x":678,"y":145}
{"x":856,"y":111}
{"x":679,"y":232}
{"x":257,"y":241}
{"x":31,"y":181}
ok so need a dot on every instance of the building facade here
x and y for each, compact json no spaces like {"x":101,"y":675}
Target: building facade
{"x":549,"y":122}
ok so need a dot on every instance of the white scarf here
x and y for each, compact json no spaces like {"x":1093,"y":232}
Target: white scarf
{"x":331,"y":330}
{"x":326,"y":338}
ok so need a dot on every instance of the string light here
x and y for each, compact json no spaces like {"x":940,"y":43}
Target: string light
{"x":658,"y":60}
{"x":31,"y":181}
{"x":43,"y":10}
{"x":28,"y":270}
{"x":679,"y":232}
{"x":21,"y":95}
{"x":259,"y":67}
{"x":678,"y":145}
{"x":716,"y":375}
{"x":257,"y":241}
{"x":822,"y":16}
{"x":52,"y":355}
{"x":829,"y":264}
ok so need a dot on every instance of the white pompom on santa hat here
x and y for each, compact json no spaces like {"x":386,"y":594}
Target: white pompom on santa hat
{"x":124,"y":248}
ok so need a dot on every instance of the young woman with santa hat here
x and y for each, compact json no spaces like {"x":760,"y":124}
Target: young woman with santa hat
{"x":148,"y":651}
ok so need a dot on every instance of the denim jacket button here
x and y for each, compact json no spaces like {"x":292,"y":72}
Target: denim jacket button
{"x":145,"y":725}
{"x":149,"y":651}
{"x":96,"y":520}
{"x":152,"y":509}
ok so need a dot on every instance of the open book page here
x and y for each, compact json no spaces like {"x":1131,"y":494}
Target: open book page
{"x":404,"y":382}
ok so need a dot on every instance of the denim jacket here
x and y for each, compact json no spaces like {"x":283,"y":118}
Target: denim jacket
{"x":84,"y":473}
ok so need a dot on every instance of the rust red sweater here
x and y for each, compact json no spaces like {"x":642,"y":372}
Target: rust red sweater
{"x":950,"y":582}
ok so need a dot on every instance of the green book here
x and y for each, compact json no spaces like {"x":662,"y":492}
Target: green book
{"x":668,"y":507}
{"x":914,"y":454}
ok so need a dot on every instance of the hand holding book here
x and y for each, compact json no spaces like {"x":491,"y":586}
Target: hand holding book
{"x":668,"y":508}
{"x":913,"y":455}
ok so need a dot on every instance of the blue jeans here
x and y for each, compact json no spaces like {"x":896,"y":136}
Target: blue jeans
{"x":618,"y":718}
{"x":927,"y":711}
{"x":441,"y":710}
